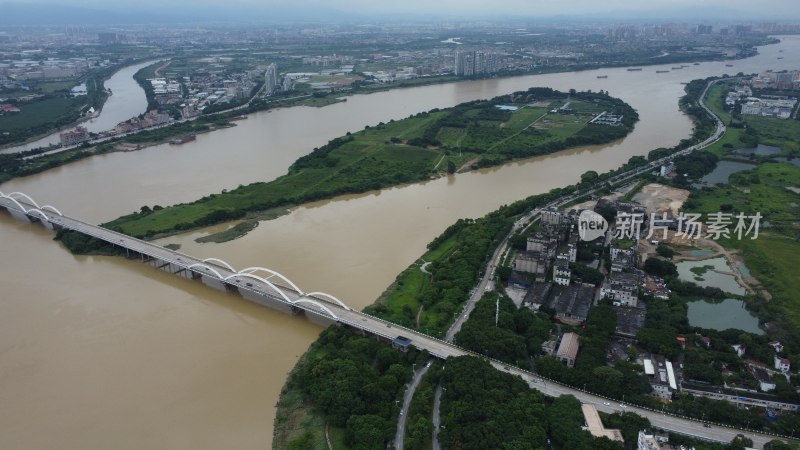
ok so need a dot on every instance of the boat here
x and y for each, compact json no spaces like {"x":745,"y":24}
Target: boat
{"x":662,"y":71}
{"x":602,"y":76}
{"x":728,"y":65}
{"x":677,"y":68}
{"x":780,"y":57}
{"x":696,"y":64}
{"x":183,"y":139}
{"x":231,"y":119}
{"x":634,"y":69}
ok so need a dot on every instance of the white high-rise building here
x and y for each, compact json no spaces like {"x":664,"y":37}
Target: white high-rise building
{"x":474,"y":63}
{"x":271,"y":79}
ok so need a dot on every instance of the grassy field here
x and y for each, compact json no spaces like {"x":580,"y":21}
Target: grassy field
{"x":780,"y":133}
{"x":524,"y":118}
{"x":404,"y":294}
{"x":40,"y":112}
{"x":53,"y":86}
{"x":773,"y":258}
{"x":715,"y":100}
{"x":409,"y":150}
{"x":763,"y":190}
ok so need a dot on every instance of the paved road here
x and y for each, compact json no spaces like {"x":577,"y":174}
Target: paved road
{"x":409,"y":394}
{"x":437,"y":422}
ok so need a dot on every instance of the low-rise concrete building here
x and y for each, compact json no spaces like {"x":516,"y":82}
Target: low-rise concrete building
{"x":567,"y":349}
{"x":648,"y":442}
{"x":662,"y":376}
{"x":537,"y":295}
{"x":622,"y":288}
{"x":74,"y":137}
{"x":782,"y":364}
{"x":764,"y":378}
{"x":561,"y":271}
{"x":532,"y":262}
{"x":571,"y":303}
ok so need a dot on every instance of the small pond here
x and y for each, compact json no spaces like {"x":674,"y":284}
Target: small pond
{"x":795,"y":161}
{"x":706,"y":273}
{"x":729,"y":313}
{"x":761,"y":150}
{"x":701,"y":252}
{"x":724,"y":170}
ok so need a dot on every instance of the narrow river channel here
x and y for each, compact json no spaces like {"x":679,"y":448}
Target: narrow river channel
{"x":127,"y":100}
{"x":100,"y":352}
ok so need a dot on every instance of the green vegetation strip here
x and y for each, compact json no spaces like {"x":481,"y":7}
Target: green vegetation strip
{"x":400,"y":152}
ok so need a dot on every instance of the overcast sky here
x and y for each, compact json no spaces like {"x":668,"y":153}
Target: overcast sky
{"x":785,"y":9}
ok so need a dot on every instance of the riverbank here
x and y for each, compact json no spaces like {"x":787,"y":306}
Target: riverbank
{"x":98,"y":94}
{"x":13,"y":165}
{"x":520,"y":125}
{"x":416,"y":290}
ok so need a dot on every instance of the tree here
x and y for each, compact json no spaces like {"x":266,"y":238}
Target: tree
{"x":589,"y":177}
{"x":665,"y":251}
{"x":659,"y":267}
{"x":365,"y":432}
{"x":451,"y":167}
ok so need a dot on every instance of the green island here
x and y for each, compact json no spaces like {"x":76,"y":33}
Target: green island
{"x":426,"y":145}
{"x":425,"y":295}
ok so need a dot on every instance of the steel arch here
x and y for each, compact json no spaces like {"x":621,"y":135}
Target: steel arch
{"x":16,"y":203}
{"x":220,"y":262}
{"x":319,"y":305}
{"x":51,"y":208}
{"x":207,"y":268}
{"x":268,"y":283}
{"x":26,"y":197}
{"x":251,"y":270}
{"x":328,"y":296}
{"x":39,"y":213}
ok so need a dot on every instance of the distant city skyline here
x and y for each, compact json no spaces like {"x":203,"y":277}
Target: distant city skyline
{"x":313,"y":9}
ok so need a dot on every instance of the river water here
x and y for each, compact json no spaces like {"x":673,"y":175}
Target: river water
{"x":126,"y":101}
{"x":101,"y":352}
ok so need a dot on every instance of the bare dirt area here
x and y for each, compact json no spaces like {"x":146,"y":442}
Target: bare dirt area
{"x":467,"y":165}
{"x":126,"y":147}
{"x":657,"y":198}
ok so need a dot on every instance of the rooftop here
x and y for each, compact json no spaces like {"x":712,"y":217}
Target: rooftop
{"x":568,"y":346}
{"x":572,"y":301}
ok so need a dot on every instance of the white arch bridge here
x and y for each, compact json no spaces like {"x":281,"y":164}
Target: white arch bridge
{"x":257,"y":284}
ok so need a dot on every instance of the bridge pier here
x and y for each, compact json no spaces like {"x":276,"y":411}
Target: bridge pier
{"x":319,"y":319}
{"x":213,"y":282}
{"x":19,"y":215}
{"x":45,"y":223}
